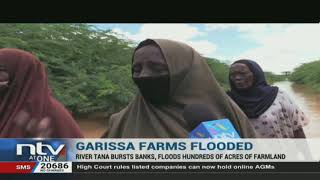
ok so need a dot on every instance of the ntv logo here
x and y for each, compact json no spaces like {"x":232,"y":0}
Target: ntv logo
{"x":37,"y":151}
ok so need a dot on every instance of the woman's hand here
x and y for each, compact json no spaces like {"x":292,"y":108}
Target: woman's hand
{"x":33,"y":128}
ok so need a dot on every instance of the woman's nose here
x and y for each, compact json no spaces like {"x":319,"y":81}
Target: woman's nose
{"x":4,"y":76}
{"x":145,"y":72}
{"x":236,"y":77}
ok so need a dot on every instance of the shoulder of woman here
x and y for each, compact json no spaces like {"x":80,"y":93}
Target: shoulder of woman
{"x":287,"y":102}
{"x":57,"y":109}
{"x":280,"y":92}
{"x":124,"y":110}
{"x":283,"y":96}
{"x":118,"y":115}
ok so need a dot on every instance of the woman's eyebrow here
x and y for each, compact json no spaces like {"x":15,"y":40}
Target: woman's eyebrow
{"x":151,"y":61}
{"x":2,"y":67}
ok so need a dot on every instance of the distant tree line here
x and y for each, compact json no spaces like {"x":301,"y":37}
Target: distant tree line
{"x":308,"y":74}
{"x":89,"y":69}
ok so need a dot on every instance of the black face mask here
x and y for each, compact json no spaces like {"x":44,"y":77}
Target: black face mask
{"x":154,"y":89}
{"x":3,"y":90}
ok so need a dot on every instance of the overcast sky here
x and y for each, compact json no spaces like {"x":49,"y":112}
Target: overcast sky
{"x":276,"y":47}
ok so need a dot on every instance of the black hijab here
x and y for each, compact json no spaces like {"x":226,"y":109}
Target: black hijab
{"x":258,"y":98}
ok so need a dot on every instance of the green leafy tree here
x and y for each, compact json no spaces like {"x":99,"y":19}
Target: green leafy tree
{"x":89,"y":70}
{"x":308,"y":73}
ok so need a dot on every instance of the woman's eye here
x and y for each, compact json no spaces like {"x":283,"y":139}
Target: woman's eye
{"x":159,"y":67}
{"x":246,"y":74}
{"x":233,"y":77}
{"x":136,"y":68}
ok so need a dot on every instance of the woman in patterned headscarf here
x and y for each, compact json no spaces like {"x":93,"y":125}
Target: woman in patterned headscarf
{"x":271,"y":111}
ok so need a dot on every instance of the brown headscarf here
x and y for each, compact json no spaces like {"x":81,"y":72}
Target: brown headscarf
{"x":191,"y":82}
{"x":28,"y":91}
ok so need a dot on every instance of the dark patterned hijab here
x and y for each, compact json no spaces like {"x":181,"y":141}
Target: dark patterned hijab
{"x":257,"y":99}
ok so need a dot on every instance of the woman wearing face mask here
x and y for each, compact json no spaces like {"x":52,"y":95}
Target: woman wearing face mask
{"x":26,"y":103}
{"x":271,"y":111}
{"x":171,"y":75}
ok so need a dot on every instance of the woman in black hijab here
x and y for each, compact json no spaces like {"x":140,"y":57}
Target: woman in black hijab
{"x":271,"y":111}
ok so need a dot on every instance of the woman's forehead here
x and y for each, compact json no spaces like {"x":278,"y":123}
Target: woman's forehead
{"x":149,"y":52}
{"x":239,"y":66}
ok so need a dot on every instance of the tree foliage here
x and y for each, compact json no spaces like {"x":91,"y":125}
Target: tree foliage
{"x":272,"y":78}
{"x":308,"y":73}
{"x":89,"y":70}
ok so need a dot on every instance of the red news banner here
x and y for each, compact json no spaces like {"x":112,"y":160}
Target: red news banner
{"x":17,"y":167}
